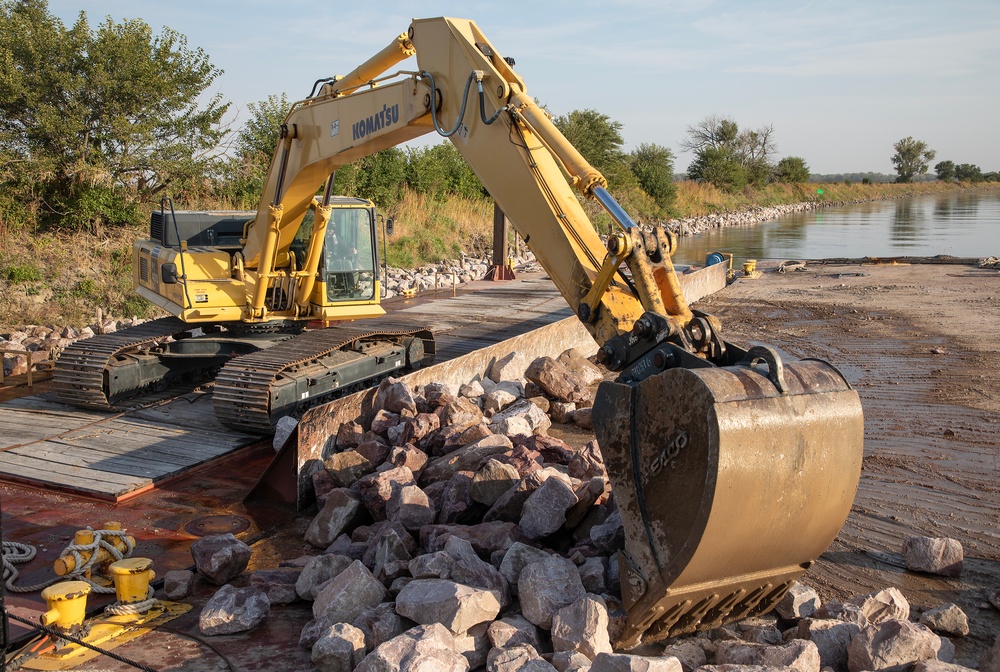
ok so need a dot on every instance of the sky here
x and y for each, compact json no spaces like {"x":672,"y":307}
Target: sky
{"x":840,"y":81}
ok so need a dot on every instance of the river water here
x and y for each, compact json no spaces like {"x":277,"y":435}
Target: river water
{"x":961,"y":225}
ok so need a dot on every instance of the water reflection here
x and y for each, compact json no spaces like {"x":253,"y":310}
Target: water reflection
{"x":963,"y":225}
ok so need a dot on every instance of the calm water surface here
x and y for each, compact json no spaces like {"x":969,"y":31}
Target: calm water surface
{"x":962,"y":225}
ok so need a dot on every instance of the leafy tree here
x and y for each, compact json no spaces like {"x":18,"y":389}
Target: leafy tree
{"x":718,"y":166}
{"x":791,"y":170}
{"x":911,"y":158}
{"x":102,"y":118}
{"x":733,"y":156}
{"x":945,"y":170}
{"x":246,"y":173}
{"x":653,"y":167}
{"x":968,"y":172}
{"x":379,"y":177}
{"x":599,"y":139}
{"x":440,"y":171}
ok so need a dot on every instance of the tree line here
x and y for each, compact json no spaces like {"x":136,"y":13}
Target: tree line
{"x":99,"y":122}
{"x":913,"y":157}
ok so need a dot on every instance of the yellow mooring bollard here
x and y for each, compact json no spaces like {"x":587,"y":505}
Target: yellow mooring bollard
{"x":132,"y":577}
{"x":67,"y":604}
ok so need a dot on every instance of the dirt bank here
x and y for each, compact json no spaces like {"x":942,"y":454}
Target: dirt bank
{"x":921,"y":346}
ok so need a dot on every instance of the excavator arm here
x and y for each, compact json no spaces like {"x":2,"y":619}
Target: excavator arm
{"x":732,"y":469}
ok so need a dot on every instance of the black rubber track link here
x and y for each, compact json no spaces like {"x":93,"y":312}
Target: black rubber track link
{"x":242,"y":391}
{"x":79,"y":373}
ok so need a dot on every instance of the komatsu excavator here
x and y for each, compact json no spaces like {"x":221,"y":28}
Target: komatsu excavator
{"x":733,"y":468}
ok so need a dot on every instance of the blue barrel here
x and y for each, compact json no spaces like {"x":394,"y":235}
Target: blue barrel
{"x":714,"y":258}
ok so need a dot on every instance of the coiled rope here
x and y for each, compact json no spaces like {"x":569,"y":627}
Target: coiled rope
{"x":17,"y":553}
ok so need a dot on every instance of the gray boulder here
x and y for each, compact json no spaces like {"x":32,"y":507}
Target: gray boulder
{"x":800,"y":601}
{"x":340,"y":649}
{"x":947,"y":619}
{"x":456,"y":606}
{"x":340,"y":511}
{"x":831,"y":637}
{"x":317,"y":571}
{"x":582,"y":626}
{"x":278,"y":584}
{"x":233,"y":610}
{"x":349,"y":593}
{"x":933,"y":555}
{"x":425,"y":647}
{"x":892,"y":644}
{"x":178,"y":584}
{"x":799,"y":654}
{"x":546,"y":586}
{"x":621,"y":662}
{"x":220,"y":558}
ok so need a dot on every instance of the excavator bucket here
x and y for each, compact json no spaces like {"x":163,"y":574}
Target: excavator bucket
{"x":730,"y":481}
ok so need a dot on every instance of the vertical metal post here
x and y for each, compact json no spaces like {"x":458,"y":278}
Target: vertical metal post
{"x":501,"y":228}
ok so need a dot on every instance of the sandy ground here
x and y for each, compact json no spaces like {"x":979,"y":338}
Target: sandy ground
{"x":921,"y":344}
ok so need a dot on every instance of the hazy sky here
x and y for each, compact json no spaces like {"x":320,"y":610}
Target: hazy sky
{"x":840,"y":81}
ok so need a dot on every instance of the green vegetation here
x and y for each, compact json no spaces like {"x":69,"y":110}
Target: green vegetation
{"x":911,"y":158}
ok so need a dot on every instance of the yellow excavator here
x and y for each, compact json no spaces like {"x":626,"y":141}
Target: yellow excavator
{"x":733,"y":469}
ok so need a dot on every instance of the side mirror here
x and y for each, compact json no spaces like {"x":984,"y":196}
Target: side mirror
{"x":168,"y":274}
{"x":389,"y":224}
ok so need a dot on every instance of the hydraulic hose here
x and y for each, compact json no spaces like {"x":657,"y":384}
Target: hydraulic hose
{"x":461,"y":112}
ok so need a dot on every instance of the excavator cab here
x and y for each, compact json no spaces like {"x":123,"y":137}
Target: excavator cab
{"x":349,"y":255}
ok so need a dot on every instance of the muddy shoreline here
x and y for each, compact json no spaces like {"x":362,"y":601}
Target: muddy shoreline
{"x":920,"y":345}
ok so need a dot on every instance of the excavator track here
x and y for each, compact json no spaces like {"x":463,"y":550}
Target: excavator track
{"x":243,"y":388}
{"x":79,"y":376}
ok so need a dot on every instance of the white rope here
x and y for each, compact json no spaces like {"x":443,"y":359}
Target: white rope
{"x":16,"y":553}
{"x":120,"y":609}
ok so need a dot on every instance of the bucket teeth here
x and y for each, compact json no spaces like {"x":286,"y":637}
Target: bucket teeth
{"x":729,"y":488}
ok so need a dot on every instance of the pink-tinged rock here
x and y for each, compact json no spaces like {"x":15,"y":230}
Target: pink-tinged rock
{"x":561,"y":411}
{"x":496,"y":400}
{"x":471,"y":390}
{"x":508,"y":367}
{"x":574,"y":360}
{"x":474,"y":645}
{"x":536,"y":419}
{"x":347,"y":468}
{"x":570,"y":661}
{"x":609,"y":536}
{"x":340,"y":649}
{"x":383,"y":529}
{"x":933,"y":555}
{"x":317,"y":571}
{"x":375,"y":451}
{"x":800,"y":601}
{"x":592,"y":572}
{"x":484,"y":537}
{"x":583,"y":417}
{"x":551,"y":449}
{"x":892,"y":644}
{"x":831,"y":637}
{"x":376,"y":489}
{"x":544,"y":512}
{"x":990,"y":662}
{"x":456,"y":503}
{"x":542,"y":403}
{"x":436,"y":565}
{"x":690,"y":652}
{"x":546,"y":586}
{"x":589,"y":494}
{"x":621,"y":662}
{"x":799,"y":654}
{"x":465,"y":459}
{"x":516,"y":558}
{"x":277,"y":584}
{"x":410,"y":457}
{"x":233,"y":610}
{"x":512,"y":630}
{"x":420,"y":426}
{"x":381,"y":623}
{"x":947,"y":619}
{"x":461,"y":412}
{"x":517,"y":658}
{"x":843,"y":611}
{"x":522,"y":458}
{"x":395,"y":396}
{"x":510,"y":505}
{"x":384,"y":421}
{"x":392,"y":559}
{"x":349,"y":593}
{"x":995,"y":598}
{"x":558,"y":380}
{"x":439,"y":394}
{"x":939,"y":666}
{"x":349,"y":435}
{"x":885,"y":605}
{"x":456,"y":606}
{"x":410,"y":507}
{"x":322,"y":483}
{"x":220,"y":558}
{"x":425,"y":648}
{"x":312,"y":631}
{"x":588,"y":463}
{"x":341,"y":512}
{"x":469,"y":569}
{"x":491,"y":480}
{"x":582,"y":626}
{"x":178,"y":584}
